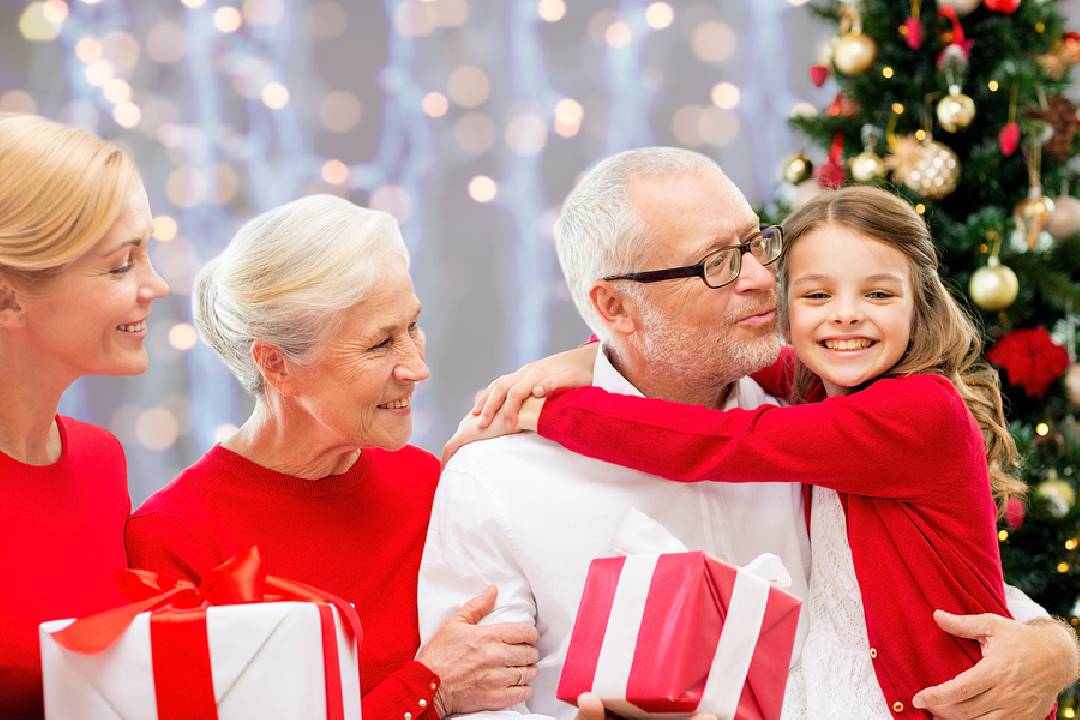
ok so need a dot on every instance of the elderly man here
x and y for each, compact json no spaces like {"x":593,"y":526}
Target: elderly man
{"x":528,"y":516}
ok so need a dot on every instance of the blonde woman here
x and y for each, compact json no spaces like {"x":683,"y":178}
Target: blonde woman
{"x":76,"y":287}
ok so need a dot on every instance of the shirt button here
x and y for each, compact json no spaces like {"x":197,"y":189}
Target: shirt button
{"x":896,"y":706}
{"x":423,"y":703}
{"x":873,"y":652}
{"x":408,"y":716}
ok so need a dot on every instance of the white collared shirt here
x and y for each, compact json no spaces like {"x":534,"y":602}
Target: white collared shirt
{"x":525,"y":514}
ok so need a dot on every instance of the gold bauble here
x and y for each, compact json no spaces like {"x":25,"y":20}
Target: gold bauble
{"x":955,"y":111}
{"x":854,"y":53}
{"x":993,"y":287}
{"x":1072,"y":384}
{"x":962,"y":7}
{"x":927,"y":167}
{"x":1059,"y":493}
{"x":867,"y":167}
{"x":1031,"y":216}
{"x":798,"y":169}
{"x":1065,"y":220}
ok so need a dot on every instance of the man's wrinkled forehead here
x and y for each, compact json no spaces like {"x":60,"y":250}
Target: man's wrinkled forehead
{"x":702,"y":208}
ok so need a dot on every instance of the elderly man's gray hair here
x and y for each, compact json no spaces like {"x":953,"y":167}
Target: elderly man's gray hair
{"x":287,"y":275}
{"x":599,"y":233}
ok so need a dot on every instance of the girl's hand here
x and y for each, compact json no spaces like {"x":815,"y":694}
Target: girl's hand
{"x":572,"y":368}
{"x":470,"y":428}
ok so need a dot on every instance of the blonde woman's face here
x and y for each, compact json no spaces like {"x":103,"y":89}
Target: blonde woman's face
{"x":91,"y":318}
{"x":850,"y":305}
{"x":360,"y":390}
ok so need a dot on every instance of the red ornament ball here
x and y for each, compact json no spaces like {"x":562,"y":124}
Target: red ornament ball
{"x":1002,"y":6}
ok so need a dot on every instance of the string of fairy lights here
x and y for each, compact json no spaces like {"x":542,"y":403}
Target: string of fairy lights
{"x":427,"y":109}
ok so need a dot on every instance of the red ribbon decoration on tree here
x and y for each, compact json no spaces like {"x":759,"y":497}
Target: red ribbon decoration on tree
{"x":958,"y":37}
{"x":831,"y":174}
{"x":1031,"y":359}
{"x":181,"y":661}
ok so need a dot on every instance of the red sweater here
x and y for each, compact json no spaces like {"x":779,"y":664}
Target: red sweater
{"x":908,"y":461}
{"x":358,"y":535}
{"x":63,"y":545}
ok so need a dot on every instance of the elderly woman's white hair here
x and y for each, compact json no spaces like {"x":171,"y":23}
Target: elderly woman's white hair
{"x":286,"y":276}
{"x":599,"y":233}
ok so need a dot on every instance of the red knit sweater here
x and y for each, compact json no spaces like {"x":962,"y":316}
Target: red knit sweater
{"x":358,"y":535}
{"x":63,"y":546}
{"x":908,"y":461}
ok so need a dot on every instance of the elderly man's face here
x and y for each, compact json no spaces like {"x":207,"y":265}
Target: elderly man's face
{"x":706,"y":335}
{"x":360,"y":390}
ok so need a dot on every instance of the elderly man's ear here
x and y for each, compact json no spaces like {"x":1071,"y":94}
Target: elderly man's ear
{"x":615,"y":308}
{"x":275,"y":368}
{"x":12,"y":315}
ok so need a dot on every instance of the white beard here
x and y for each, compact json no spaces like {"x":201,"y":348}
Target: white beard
{"x":707,"y":359}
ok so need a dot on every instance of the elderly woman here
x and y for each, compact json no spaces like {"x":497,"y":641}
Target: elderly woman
{"x":76,"y":286}
{"x":312,"y":308}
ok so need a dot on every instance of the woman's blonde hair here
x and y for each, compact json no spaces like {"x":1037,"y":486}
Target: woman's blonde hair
{"x":944,"y":338}
{"x":61,"y":189}
{"x":286,"y":276}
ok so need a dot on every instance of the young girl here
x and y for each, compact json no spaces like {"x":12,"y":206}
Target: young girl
{"x":76,"y":287}
{"x":907,"y":454}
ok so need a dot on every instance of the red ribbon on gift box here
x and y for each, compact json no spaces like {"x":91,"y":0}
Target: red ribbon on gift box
{"x":183,"y":683}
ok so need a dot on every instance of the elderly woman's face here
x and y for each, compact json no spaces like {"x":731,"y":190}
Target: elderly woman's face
{"x":361,"y":388}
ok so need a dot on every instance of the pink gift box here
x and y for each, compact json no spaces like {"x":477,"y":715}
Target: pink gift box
{"x":679,"y":633}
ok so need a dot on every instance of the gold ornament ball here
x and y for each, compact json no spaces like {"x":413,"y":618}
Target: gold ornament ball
{"x":867,"y":167}
{"x":962,"y":7}
{"x":927,"y":167}
{"x":854,"y":53}
{"x":955,"y":111}
{"x":1031,"y":216}
{"x":798,"y":169}
{"x":1058,"y":492}
{"x":1072,"y":384}
{"x":995,"y":286}
{"x":1065,"y":220}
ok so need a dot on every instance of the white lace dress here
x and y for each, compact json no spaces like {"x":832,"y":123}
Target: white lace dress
{"x":834,"y":677}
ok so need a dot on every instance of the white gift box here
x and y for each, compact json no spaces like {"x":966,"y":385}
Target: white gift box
{"x":266,"y":662}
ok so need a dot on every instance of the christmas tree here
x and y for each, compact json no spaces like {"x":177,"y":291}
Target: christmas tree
{"x":958,"y":105}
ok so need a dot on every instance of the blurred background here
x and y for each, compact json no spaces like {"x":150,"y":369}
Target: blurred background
{"x":469,"y":120}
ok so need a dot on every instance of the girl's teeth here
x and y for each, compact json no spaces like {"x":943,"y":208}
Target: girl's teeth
{"x":134,"y":328}
{"x":847,"y":344}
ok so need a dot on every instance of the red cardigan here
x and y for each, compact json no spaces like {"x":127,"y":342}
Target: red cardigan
{"x":907,"y":459}
{"x":63,"y":546}
{"x":358,"y":535}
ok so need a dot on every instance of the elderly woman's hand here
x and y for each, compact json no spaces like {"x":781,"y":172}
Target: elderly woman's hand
{"x":481,"y":667}
{"x":505,"y":395}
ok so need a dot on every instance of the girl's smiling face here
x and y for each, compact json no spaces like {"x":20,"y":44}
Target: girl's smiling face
{"x":849,"y":304}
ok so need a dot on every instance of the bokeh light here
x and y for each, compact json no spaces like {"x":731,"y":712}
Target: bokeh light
{"x":713,"y":41}
{"x":156,"y":429}
{"x":434,"y":104}
{"x":468,"y":86}
{"x":475,"y":133}
{"x":482,"y":189}
{"x":228,"y":19}
{"x":275,"y":95}
{"x":340,"y":111}
{"x":335,"y":172}
{"x":182,"y":336}
{"x":659,"y":15}
{"x":725,"y":95}
{"x":551,"y":10}
{"x":165,"y":228}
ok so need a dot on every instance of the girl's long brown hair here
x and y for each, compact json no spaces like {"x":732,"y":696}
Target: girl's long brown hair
{"x":944,"y":338}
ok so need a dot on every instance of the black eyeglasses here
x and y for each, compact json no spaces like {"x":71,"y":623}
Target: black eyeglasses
{"x":723,"y":265}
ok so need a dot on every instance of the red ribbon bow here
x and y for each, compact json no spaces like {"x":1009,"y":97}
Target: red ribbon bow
{"x":182,"y":676}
